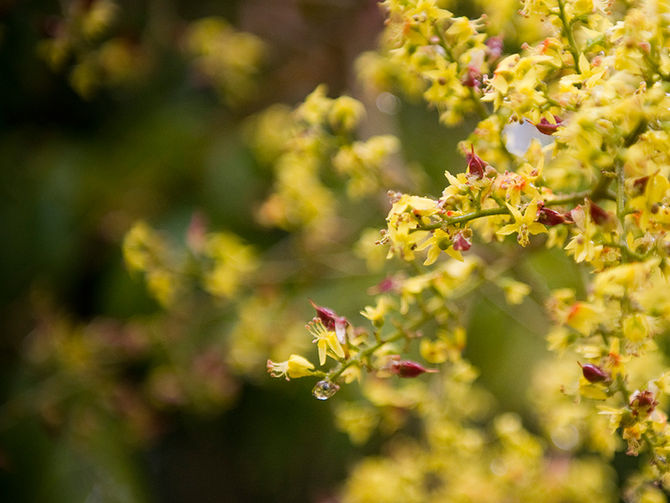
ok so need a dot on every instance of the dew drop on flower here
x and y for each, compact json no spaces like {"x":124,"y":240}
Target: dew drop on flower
{"x":324,"y":390}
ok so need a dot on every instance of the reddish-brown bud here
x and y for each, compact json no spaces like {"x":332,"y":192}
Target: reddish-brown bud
{"x":598,"y":215}
{"x":640,"y":184}
{"x":593,"y":373}
{"x":408,"y":368}
{"x":546,"y":127}
{"x":473,"y":78}
{"x":643,"y":402}
{"x":460,"y":242}
{"x":332,"y":321}
{"x":550,"y":217}
{"x":475,"y":163}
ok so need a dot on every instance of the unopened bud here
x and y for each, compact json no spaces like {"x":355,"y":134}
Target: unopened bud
{"x":546,"y":127}
{"x":476,"y":164}
{"x":550,"y":217}
{"x":598,"y":215}
{"x":473,"y":78}
{"x":332,"y":321}
{"x":408,"y":368}
{"x":593,"y":373}
{"x":640,"y":184}
{"x":643,"y":403}
{"x":461,"y":243}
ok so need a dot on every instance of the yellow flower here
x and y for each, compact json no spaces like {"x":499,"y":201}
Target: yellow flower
{"x":514,"y":291}
{"x":376,"y":314}
{"x":325,"y":339}
{"x":635,"y":327}
{"x":296,"y":366}
{"x":523,"y":224}
{"x":439,"y":241}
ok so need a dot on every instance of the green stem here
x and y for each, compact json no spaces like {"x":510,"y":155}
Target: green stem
{"x":620,"y":195}
{"x":598,"y":192}
{"x":399,"y":334}
{"x":465,"y":218}
{"x":567,"y":31}
{"x":626,"y":254}
{"x":626,"y":251}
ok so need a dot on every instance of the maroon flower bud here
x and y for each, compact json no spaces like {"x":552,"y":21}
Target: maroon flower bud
{"x":495,"y":46}
{"x":593,"y":373}
{"x":332,"y":321}
{"x":475,"y":163}
{"x":550,"y":217}
{"x":460,"y":242}
{"x":326,"y":315}
{"x":640,"y":184}
{"x":473,"y":78}
{"x":546,"y":127}
{"x":598,"y":215}
{"x":408,"y":368}
{"x":643,"y":402}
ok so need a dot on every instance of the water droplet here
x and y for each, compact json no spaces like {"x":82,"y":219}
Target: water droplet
{"x":324,"y":390}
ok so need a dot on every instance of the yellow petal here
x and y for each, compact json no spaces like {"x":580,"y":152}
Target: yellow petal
{"x":508,"y":229}
{"x":334,"y":345}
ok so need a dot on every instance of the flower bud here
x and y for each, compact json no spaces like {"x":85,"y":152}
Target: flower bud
{"x":332,"y":321}
{"x":550,"y":217}
{"x":643,"y":403}
{"x":593,"y":373}
{"x":408,"y":368}
{"x":640,"y":184}
{"x":460,"y":243}
{"x":475,"y":163}
{"x":546,"y":127}
{"x":328,"y":317}
{"x":473,"y":78}
{"x":598,"y":215}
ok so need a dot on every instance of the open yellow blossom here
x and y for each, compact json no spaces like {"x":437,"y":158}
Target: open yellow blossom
{"x":296,"y":366}
{"x":325,"y":339}
{"x":376,"y":314}
{"x":438,"y":242}
{"x":523,"y":224}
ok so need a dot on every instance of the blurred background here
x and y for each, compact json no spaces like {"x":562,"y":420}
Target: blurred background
{"x":113,"y":112}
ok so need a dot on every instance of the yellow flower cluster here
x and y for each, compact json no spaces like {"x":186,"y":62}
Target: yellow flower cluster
{"x":447,"y":53}
{"x":218,"y":262}
{"x":316,"y":137}
{"x":596,"y":87}
{"x":80,"y":42}
{"x":225,"y":58}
